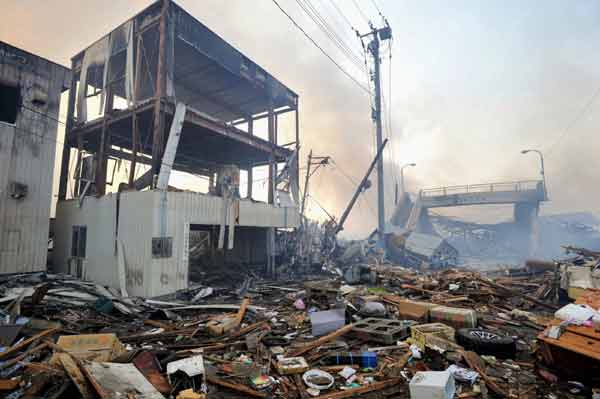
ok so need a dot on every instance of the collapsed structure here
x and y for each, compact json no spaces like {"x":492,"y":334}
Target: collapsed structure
{"x":162,"y":92}
{"x":30,"y":92}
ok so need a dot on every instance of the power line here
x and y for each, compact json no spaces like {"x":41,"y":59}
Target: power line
{"x":362,"y":14}
{"x":310,"y":10}
{"x":343,"y":15}
{"x":574,"y":121}
{"x":377,"y":8}
{"x":321,"y":49}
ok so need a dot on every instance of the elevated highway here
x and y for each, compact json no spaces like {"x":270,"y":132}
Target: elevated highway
{"x":528,"y":191}
{"x":526,"y":197}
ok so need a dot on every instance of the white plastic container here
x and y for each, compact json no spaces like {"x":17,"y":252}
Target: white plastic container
{"x":576,"y":313}
{"x":432,"y":385}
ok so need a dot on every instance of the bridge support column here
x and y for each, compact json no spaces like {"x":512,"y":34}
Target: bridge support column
{"x":526,"y":220}
{"x":424,"y":224}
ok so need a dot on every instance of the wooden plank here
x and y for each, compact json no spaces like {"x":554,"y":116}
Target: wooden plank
{"x":223,"y":325}
{"x":519,"y":294}
{"x":236,"y":387}
{"x":76,"y":375}
{"x":240,"y":314}
{"x":376,"y":386}
{"x":475,"y":362}
{"x":11,"y":362}
{"x":22,"y":345}
{"x":318,"y":342}
{"x":575,"y":343}
{"x":9,"y":385}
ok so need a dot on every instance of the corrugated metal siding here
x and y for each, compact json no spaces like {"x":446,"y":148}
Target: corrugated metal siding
{"x":27,"y":156}
{"x":140,"y":219}
{"x":99,"y":216}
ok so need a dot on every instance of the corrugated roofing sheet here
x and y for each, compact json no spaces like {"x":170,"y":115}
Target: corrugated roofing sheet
{"x":423,"y":244}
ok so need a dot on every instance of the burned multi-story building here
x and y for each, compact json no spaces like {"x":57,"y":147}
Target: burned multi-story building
{"x":30,"y":93}
{"x":163,"y":93}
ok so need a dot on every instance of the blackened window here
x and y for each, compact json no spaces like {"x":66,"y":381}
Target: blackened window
{"x":79,"y":239}
{"x":9,"y":103}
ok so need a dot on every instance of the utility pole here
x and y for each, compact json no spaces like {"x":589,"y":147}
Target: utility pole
{"x":312,"y":161}
{"x":317,"y":162}
{"x":305,"y":193}
{"x":364,"y":185}
{"x":384,"y":33}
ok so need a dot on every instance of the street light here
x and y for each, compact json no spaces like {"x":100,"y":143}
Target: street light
{"x":402,"y":179}
{"x":542,"y":169}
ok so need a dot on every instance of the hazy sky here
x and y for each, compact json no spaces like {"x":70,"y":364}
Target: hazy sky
{"x":473,"y":83}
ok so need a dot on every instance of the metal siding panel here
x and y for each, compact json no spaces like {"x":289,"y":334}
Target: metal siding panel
{"x":139,"y":221}
{"x":99,"y":216}
{"x":135,"y":231}
{"x":27,"y":156}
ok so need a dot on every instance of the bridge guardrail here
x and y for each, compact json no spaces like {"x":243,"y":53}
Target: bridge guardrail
{"x":515,"y":186}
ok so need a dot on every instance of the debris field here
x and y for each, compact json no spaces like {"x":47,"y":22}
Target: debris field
{"x":444,"y":334}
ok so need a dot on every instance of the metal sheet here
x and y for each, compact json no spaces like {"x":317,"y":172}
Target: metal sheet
{"x":27,"y":151}
{"x":423,"y":244}
{"x":117,"y":380}
{"x":140,"y":221}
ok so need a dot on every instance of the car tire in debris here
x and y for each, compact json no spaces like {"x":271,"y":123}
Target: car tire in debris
{"x":486,"y":342}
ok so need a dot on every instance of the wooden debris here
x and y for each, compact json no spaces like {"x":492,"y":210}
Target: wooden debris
{"x":376,"y":386}
{"x":22,"y":345}
{"x":76,"y":375}
{"x":236,"y":387}
{"x":477,"y":364}
{"x":318,"y":342}
{"x":9,"y":385}
{"x":223,"y":325}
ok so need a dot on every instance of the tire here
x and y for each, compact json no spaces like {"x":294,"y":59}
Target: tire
{"x":485,"y":342}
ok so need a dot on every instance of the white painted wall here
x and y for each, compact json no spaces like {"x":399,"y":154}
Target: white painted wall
{"x":140,"y":219}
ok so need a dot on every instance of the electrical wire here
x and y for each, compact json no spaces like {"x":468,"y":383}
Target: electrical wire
{"x":310,"y":10}
{"x":360,"y":11}
{"x":583,"y":110}
{"x":360,"y":85}
{"x":377,"y":8}
{"x":343,"y":15}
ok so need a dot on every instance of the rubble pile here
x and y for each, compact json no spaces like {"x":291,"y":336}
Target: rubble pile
{"x":402,"y":333}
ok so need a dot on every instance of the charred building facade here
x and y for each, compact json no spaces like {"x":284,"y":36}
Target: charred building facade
{"x":163,"y":94}
{"x":30,"y":92}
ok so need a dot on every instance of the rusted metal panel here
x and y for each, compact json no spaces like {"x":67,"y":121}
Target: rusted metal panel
{"x":27,"y":149}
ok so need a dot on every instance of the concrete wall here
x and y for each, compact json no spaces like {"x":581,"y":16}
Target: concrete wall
{"x":27,"y":150}
{"x":143,"y":215}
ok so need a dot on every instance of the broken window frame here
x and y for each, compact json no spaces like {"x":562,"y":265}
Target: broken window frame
{"x":78,"y":241}
{"x":7,"y":99}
